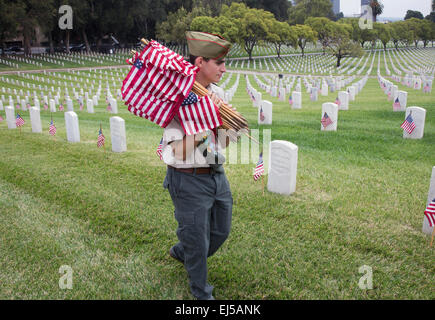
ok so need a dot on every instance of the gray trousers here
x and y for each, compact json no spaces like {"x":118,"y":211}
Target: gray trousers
{"x":203,"y":209}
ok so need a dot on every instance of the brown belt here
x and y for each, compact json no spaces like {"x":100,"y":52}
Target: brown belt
{"x":192,"y":170}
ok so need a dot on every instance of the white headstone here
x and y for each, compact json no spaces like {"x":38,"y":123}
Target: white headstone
{"x":95,"y":100}
{"x":403,"y":100}
{"x":113,"y":105}
{"x":117,"y":131}
{"x":430,"y":196}
{"x":72,"y":126}
{"x":52,"y":106}
{"x":297,"y":100}
{"x":282,"y":94}
{"x":90,"y":106}
{"x":314,"y":96}
{"x":69,"y":105}
{"x":265,"y":112}
{"x":329,"y":110}
{"x":10,"y":117}
{"x":283,"y":164}
{"x":352,"y":93}
{"x":1,"y":105}
{"x":325,"y":89}
{"x":35,"y":119}
{"x":418,"y":115}
{"x":343,"y":96}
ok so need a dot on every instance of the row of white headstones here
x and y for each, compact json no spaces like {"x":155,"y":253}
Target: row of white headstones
{"x":283,"y":155}
{"x":117,"y":127}
{"x":418,"y":114}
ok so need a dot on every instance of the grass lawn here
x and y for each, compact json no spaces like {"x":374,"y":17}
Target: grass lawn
{"x":360,"y":197}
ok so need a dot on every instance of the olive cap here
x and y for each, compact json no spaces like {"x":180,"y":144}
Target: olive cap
{"x":207,"y":45}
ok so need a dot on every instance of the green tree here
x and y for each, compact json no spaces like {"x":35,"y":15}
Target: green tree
{"x":383,"y":33}
{"x":279,"y":8}
{"x":33,"y":13}
{"x":413,"y":14}
{"x":280,"y":34}
{"x":323,"y":27}
{"x":431,"y":16}
{"x":9,"y":13}
{"x":310,"y":8}
{"x":341,"y":45}
{"x":400,"y":33}
{"x":175,"y":27}
{"x":304,"y":35}
{"x":253,"y":25}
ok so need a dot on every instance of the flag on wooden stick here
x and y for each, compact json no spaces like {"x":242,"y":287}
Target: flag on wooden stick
{"x":259,"y":169}
{"x":19,"y":121}
{"x":430,"y":213}
{"x":101,"y":139}
{"x":160,"y":149}
{"x":408,"y":125}
{"x":326,"y":120}
{"x":52,"y":128}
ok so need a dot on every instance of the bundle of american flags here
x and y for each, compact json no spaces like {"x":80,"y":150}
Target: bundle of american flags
{"x":259,"y":169}
{"x":408,"y":125}
{"x":157,"y":85}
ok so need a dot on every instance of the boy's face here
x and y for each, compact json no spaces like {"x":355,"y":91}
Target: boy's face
{"x":212,"y":70}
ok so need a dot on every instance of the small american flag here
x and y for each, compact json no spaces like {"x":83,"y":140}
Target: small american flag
{"x":396,"y":104}
{"x":52,"y":129}
{"x":109,"y":107}
{"x":290,"y":100}
{"x":81,"y":106}
{"x":408,"y":125}
{"x":259,"y":169}
{"x":61,"y":108}
{"x":101,"y":139}
{"x":159,"y":149}
{"x":45,"y":106}
{"x":326,"y":120}
{"x":430,"y":213}
{"x":1,"y":118}
{"x":18,"y":106}
{"x":262,"y":117}
{"x":337,"y":102}
{"x":19,"y":121}
{"x":426,"y":88}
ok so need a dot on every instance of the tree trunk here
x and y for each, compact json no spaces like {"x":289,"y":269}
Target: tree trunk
{"x":4,"y":48}
{"x":99,"y":42}
{"x":50,"y":39}
{"x":85,"y":39}
{"x":67,"y":41}
{"x":26,"y":39}
{"x":338,"y":60}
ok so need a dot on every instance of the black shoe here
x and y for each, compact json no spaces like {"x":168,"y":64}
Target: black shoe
{"x":174,"y":256}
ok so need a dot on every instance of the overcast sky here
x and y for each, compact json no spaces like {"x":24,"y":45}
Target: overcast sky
{"x":392,"y":8}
